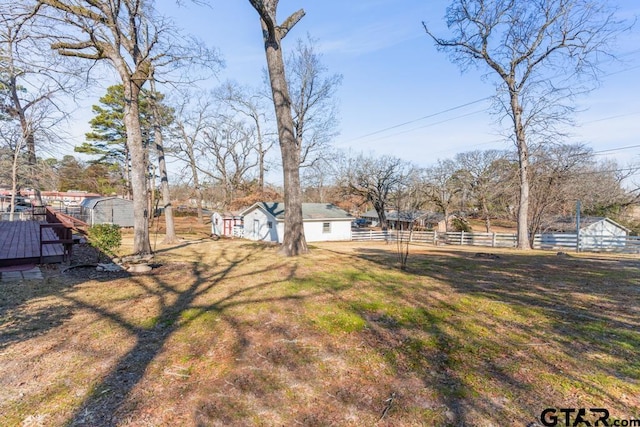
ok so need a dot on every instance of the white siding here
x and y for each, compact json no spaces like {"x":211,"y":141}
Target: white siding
{"x":603,"y":228}
{"x":340,"y":230}
{"x":602,"y":235}
{"x":280,"y":230}
{"x":256,"y":226}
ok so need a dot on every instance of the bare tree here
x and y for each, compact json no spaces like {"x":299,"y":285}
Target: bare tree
{"x":159,"y":120}
{"x":374,"y":179}
{"x":312,"y":92}
{"x":564,"y":174}
{"x":554,"y":180}
{"x":16,"y":142}
{"x":249,"y":103}
{"x":485,"y":174}
{"x":294,"y":242}
{"x":319,"y":176}
{"x":408,"y":200}
{"x":114,"y":32}
{"x":442,"y":185}
{"x":31,"y":82}
{"x":605,"y":190}
{"x":132,"y":38}
{"x":38,"y":121}
{"x":541,"y":51}
{"x":228,"y":155}
{"x":192,"y":117}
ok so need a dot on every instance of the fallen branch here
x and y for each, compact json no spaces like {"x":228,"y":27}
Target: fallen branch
{"x":389,"y":402}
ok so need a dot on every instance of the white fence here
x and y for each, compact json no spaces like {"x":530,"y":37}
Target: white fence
{"x":17,"y":216}
{"x":555,"y":241}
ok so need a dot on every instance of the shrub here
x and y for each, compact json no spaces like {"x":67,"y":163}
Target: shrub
{"x":460,"y":224}
{"x":105,"y":237}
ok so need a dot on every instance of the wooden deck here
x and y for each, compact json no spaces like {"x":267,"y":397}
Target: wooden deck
{"x":20,"y":244}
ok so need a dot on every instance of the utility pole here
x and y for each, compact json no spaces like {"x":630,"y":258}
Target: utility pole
{"x":578,"y":226}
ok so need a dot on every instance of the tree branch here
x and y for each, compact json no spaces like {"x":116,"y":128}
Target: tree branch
{"x":289,"y":23}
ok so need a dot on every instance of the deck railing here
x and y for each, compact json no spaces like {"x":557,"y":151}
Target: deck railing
{"x":63,"y":226}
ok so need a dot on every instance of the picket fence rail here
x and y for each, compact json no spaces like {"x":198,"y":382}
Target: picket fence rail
{"x":549,"y":241}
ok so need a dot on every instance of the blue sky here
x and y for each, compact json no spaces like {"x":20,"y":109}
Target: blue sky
{"x":392,"y":74}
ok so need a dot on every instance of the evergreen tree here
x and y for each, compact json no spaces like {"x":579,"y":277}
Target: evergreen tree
{"x":107,"y":140}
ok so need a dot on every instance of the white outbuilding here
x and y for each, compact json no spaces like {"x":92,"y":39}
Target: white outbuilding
{"x":596,"y":233}
{"x":323,"y":222}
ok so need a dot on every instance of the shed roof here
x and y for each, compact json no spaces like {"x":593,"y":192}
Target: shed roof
{"x":310,"y":211}
{"x":91,"y":202}
{"x":406,"y":216}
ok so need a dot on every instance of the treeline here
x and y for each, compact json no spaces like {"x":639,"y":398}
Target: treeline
{"x":223,"y":142}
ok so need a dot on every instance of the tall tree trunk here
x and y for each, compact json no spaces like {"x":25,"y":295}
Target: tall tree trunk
{"x":447,"y":222}
{"x":32,"y":171}
{"x":28,"y":137}
{"x":126,"y":174}
{"x":170,"y":234}
{"x":32,"y":164}
{"x":523,"y":160}
{"x":261,"y":173}
{"x":30,"y":144}
{"x":196,"y":184}
{"x":485,"y":212}
{"x":382,"y":215}
{"x":141,"y":242}
{"x":14,"y":179}
{"x":261,"y":155}
{"x":294,"y":242}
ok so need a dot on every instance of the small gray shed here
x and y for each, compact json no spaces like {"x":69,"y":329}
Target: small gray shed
{"x":107,"y":210}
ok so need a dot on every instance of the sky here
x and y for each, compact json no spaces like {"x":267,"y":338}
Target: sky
{"x":399,"y":95}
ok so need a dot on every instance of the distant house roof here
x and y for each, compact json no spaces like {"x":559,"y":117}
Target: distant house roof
{"x":370,"y":214}
{"x":310,"y":211}
{"x":564,"y":224}
{"x":407,"y":216}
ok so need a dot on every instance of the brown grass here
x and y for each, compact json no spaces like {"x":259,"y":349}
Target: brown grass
{"x":229,"y":333}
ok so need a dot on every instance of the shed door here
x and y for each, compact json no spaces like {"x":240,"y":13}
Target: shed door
{"x":228,"y":227}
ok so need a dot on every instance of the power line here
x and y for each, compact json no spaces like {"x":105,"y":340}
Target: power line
{"x":457,"y":107}
{"x":611,"y":118}
{"x":635,"y":171}
{"x":613,"y":73}
{"x":428,"y":125}
{"x":631,"y":52}
{"x":616,"y":149}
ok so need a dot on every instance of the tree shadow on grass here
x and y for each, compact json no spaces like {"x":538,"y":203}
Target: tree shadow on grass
{"x":108,"y":404}
{"x":20,"y":320}
{"x":21,"y":317}
{"x":569,"y":319}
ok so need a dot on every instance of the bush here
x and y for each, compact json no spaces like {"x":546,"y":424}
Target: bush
{"x":105,"y":238}
{"x":460,"y":224}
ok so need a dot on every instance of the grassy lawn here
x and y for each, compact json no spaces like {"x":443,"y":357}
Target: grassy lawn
{"x":230,"y":333}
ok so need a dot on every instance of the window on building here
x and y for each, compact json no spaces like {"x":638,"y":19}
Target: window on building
{"x":326,"y":227}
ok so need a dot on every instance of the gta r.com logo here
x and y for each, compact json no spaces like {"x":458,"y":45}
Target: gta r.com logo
{"x":573,"y":417}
